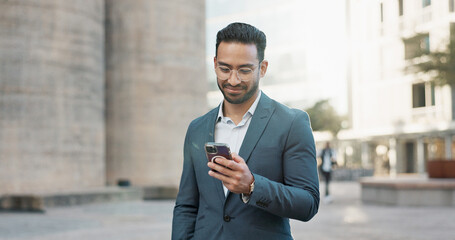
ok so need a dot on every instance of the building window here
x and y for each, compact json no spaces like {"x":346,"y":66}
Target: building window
{"x":452,"y":5}
{"x":418,"y":95}
{"x":425,"y":44}
{"x":426,"y":3}
{"x":452,"y":32}
{"x":382,"y":12}
{"x":433,"y":99}
{"x":400,"y":7}
{"x":423,"y":95}
{"x":416,"y":46}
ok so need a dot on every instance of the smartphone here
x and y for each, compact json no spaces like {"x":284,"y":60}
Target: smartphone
{"x":214,"y":150}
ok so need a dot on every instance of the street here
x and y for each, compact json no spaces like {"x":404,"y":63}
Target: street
{"x":345,"y":218}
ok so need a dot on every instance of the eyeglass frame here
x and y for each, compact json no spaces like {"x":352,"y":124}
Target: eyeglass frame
{"x":241,"y":66}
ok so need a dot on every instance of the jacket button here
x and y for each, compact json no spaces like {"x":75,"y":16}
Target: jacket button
{"x":227,"y":218}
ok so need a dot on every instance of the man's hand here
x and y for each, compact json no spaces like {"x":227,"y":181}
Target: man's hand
{"x":234,"y":174}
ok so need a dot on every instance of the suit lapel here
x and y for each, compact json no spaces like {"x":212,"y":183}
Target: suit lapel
{"x":257,"y":126}
{"x":258,"y":123}
{"x":211,"y":121}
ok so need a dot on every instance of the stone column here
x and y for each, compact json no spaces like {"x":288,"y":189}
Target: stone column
{"x":51,"y":95}
{"x":392,"y":154}
{"x":365,"y":155}
{"x":420,"y":155}
{"x":448,"y":146}
{"x":155,"y":85}
{"x":401,"y":157}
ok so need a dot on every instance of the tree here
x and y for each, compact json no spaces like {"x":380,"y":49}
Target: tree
{"x":439,"y":65}
{"x":324,"y":117}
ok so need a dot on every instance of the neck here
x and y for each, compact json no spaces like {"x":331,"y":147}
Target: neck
{"x":236,"y":111}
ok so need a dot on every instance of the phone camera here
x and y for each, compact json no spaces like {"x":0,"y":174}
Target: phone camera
{"x":210,"y":149}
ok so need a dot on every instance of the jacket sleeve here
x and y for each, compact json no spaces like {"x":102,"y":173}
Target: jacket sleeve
{"x":187,"y":202}
{"x":298,"y":196}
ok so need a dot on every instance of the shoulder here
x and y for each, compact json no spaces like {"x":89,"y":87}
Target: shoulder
{"x":290,"y":113}
{"x":203,"y":120}
{"x":288,"y":119}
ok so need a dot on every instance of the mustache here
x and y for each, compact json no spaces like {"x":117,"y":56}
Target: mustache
{"x":240,"y":86}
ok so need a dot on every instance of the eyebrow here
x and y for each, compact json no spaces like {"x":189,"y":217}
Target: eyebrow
{"x":250,"y":65}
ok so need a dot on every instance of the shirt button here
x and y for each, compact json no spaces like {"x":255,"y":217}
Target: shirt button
{"x":227,"y":218}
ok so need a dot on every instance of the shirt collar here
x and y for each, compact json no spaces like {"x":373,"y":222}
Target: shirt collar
{"x":251,"y":110}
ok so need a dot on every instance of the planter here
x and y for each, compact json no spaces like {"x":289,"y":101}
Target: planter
{"x":439,"y":168}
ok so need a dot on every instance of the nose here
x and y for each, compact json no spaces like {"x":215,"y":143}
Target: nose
{"x":234,"y":78}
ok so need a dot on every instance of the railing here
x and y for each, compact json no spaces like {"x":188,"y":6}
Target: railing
{"x":425,"y":113}
{"x":411,"y":23}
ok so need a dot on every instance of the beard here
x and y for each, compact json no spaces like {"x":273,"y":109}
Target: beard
{"x":244,"y":98}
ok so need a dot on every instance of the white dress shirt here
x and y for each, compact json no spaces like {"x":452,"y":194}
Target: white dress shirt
{"x":227,"y":132}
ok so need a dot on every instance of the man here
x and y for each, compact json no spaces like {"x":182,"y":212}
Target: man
{"x":273,"y":174}
{"x":327,"y":161}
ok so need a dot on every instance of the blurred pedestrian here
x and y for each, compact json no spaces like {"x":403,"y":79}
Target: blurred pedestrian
{"x":328,"y":160}
{"x":273,"y":172}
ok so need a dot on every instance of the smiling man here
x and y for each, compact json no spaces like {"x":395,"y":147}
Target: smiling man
{"x":272,"y":175}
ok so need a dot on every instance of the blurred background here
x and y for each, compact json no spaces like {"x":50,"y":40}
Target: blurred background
{"x":99,"y":93}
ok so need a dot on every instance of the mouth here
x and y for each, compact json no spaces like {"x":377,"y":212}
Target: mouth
{"x":233,"y":90}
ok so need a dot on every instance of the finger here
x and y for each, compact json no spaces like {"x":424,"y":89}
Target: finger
{"x":225,"y":162}
{"x":219,"y":176}
{"x":221,"y":161}
{"x":237,"y":158}
{"x":237,"y":163}
{"x":227,"y":181}
{"x":214,"y":166}
{"x":220,"y":168}
{"x":231,"y":164}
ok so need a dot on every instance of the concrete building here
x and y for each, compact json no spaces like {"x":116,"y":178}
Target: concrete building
{"x":95,"y":91}
{"x":399,"y":120}
{"x":51,"y":95}
{"x":155,"y":85}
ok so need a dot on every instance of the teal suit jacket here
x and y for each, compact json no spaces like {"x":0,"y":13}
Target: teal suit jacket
{"x":280,"y":152}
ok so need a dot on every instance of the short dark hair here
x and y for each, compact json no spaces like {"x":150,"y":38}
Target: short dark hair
{"x":242,"y":33}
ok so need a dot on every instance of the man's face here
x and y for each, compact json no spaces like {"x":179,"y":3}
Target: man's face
{"x":238,"y":57}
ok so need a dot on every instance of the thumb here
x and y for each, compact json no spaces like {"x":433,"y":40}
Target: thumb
{"x":237,"y":158}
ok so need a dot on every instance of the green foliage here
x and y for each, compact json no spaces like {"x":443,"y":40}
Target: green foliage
{"x":324,"y":117}
{"x":439,"y":65}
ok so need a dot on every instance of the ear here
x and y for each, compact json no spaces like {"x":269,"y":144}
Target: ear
{"x":264,"y":65}
{"x":214,"y":62}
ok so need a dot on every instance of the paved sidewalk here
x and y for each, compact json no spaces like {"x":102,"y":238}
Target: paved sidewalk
{"x":345,"y":218}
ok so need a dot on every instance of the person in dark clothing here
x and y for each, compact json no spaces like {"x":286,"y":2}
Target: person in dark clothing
{"x":328,"y":159}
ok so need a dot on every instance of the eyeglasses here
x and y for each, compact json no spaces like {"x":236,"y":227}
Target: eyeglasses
{"x":245,"y":74}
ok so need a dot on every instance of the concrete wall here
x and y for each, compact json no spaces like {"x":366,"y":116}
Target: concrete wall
{"x":155,"y":85}
{"x":51,"y":95}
